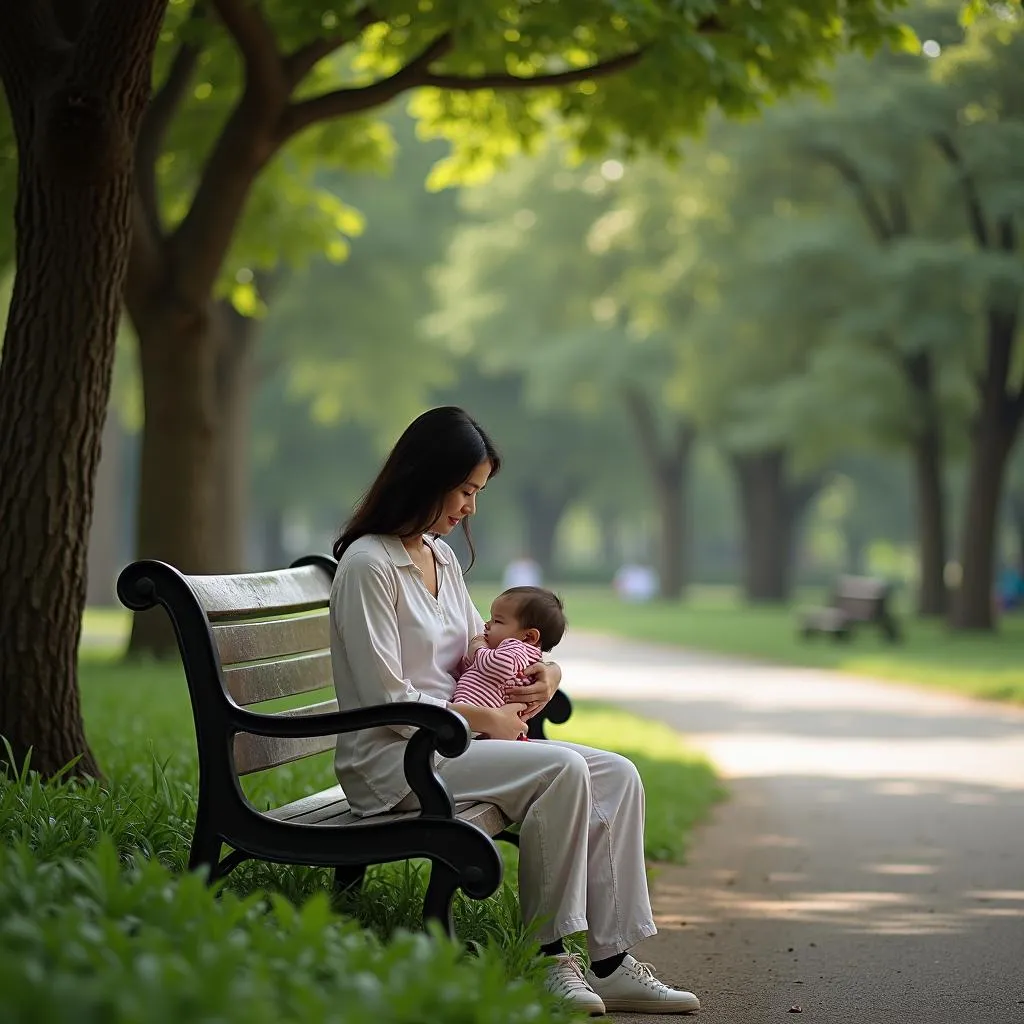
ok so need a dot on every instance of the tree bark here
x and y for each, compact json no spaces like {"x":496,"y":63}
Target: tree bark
{"x":194,"y":474}
{"x":668,"y":462}
{"x":179,"y":459}
{"x":542,"y":513}
{"x":671,"y":488}
{"x":771,"y":507}
{"x":1017,"y":515}
{"x":930,"y":498}
{"x":234,"y":405}
{"x":274,"y":554}
{"x":75,"y":108}
{"x":972,"y":605}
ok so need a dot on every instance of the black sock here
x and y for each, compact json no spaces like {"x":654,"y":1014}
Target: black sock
{"x":555,"y":948}
{"x":602,"y":968}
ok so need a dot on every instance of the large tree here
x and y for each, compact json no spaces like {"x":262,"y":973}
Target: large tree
{"x":913,"y":316}
{"x":269,"y":87}
{"x":541,"y":285}
{"x":76,"y":80}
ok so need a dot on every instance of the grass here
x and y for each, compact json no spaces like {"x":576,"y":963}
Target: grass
{"x":714,"y":619}
{"x":138,"y":715}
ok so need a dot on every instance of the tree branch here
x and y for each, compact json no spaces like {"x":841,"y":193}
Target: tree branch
{"x":197,"y":247}
{"x":153,"y":130}
{"x":300,"y":62}
{"x":866,"y":200}
{"x":264,"y":69}
{"x":556,"y":79}
{"x":350,"y":100}
{"x":975,"y":213}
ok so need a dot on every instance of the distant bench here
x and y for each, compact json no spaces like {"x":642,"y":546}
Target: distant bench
{"x":255,"y":637}
{"x":855,"y":601}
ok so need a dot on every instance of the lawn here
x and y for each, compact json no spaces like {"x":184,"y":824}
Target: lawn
{"x":714,"y":619}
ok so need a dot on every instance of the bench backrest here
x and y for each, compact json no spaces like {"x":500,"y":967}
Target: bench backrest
{"x":246,"y":639}
{"x":862,"y":598}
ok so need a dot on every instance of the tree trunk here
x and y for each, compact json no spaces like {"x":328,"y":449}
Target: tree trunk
{"x":542,"y":512}
{"x":971,"y":608}
{"x":234,"y":404}
{"x":194,"y":477}
{"x":179,"y":463}
{"x":668,"y":462}
{"x":770,"y":508}
{"x":274,"y":554}
{"x":930,"y":498}
{"x":608,"y":522}
{"x":75,"y":112}
{"x":104,"y":552}
{"x":1017,"y":512}
{"x":671,"y":487}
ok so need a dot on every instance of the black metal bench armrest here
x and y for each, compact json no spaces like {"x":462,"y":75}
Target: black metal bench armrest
{"x":438,"y":730}
{"x":557,"y":710}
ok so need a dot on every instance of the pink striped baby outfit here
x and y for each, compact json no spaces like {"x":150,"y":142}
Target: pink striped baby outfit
{"x":484,"y":679}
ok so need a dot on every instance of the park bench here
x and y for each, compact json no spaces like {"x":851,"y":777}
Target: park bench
{"x":855,"y":600}
{"x":251,"y":638}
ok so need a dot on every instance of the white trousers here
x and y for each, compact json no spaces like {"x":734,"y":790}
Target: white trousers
{"x":581,"y":844}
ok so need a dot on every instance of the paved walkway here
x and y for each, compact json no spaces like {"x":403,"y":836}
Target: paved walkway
{"x":869,"y":866}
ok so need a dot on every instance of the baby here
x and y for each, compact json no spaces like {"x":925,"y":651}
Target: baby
{"x":524,"y":622}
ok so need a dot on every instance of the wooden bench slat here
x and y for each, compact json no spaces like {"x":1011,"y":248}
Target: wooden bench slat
{"x":257,"y":753}
{"x":250,"y":684}
{"x":278,"y":638}
{"x":253,"y":594}
{"x":329,"y":808}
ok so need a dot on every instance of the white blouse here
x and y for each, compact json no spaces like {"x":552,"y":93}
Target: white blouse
{"x":392,"y":640}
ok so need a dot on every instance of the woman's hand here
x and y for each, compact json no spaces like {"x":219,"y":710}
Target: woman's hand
{"x":542,"y":678}
{"x":505,"y":723}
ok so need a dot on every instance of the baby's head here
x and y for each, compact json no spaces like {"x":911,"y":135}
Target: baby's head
{"x":531,"y":614}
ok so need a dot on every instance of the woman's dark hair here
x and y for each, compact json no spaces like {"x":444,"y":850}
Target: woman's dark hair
{"x":436,"y":453}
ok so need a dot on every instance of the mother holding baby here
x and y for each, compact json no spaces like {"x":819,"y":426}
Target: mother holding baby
{"x":402,"y":622}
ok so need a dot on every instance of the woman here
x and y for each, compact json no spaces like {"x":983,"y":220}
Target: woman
{"x":401,"y":621}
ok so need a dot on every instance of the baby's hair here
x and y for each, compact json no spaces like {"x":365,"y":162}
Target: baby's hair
{"x":539,"y":609}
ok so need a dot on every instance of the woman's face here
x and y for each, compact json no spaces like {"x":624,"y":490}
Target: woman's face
{"x":462,"y":501}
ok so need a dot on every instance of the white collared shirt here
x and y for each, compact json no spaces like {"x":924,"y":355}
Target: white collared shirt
{"x":392,"y":640}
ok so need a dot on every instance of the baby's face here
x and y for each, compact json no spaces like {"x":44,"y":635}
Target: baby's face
{"x":503,"y":622}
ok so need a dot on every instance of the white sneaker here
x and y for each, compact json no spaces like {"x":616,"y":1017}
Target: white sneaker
{"x":633,"y":988}
{"x":565,"y":979}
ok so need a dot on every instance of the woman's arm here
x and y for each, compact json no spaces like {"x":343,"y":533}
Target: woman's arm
{"x":497,"y":723}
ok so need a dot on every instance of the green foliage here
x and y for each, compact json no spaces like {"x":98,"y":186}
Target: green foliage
{"x":701,"y":55}
{"x":87,"y":941}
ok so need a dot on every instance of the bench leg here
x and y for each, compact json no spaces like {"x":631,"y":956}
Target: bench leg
{"x":205,"y":852}
{"x":348,"y":878}
{"x":437,"y":904}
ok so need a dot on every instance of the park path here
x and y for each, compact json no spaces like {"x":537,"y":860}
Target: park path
{"x":869,"y":866}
